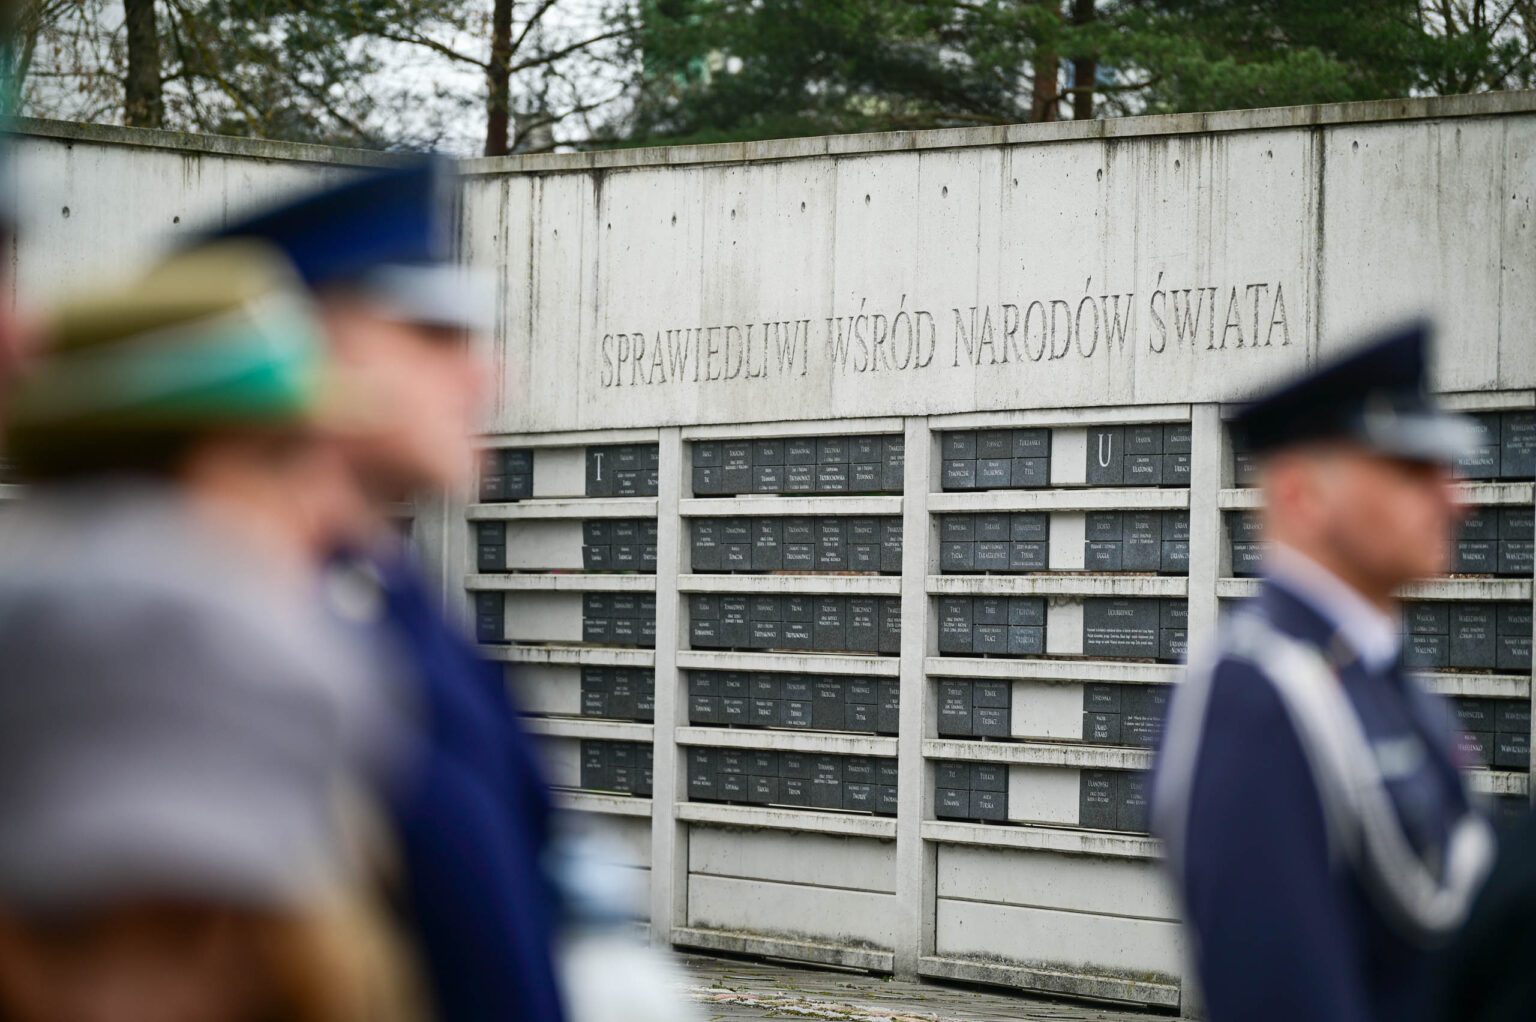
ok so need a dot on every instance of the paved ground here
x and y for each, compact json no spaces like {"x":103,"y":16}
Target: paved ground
{"x":734,"y":991}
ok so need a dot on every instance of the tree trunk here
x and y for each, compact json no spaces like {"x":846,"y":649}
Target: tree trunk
{"x":142,"y":107}
{"x":499,"y":80}
{"x":1043,"y":103}
{"x":1085,"y":68}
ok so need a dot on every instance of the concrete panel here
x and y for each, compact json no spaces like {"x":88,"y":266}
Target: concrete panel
{"x":1042,"y":710}
{"x":628,"y":838}
{"x":1041,"y":794}
{"x":939,"y":281}
{"x":543,"y":617}
{"x":1066,"y":538}
{"x":1046,"y":880}
{"x":544,"y":544}
{"x":546,"y":688}
{"x":1069,"y":458}
{"x":95,"y":210}
{"x":822,"y":860}
{"x":1066,"y":940}
{"x":1414,"y":221}
{"x":792,"y":910}
{"x":559,"y":472}
{"x":1064,"y":625}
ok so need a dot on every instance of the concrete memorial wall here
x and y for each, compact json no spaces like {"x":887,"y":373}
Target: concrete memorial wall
{"x":848,"y":503}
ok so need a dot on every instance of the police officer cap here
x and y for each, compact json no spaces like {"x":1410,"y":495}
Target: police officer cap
{"x":1376,"y":396}
{"x":387,"y":236}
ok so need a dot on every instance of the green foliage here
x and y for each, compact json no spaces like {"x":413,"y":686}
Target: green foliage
{"x":725,"y":70}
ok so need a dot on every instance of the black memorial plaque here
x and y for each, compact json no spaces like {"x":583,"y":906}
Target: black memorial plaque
{"x":1098,"y":799}
{"x":1513,"y":625}
{"x":1120,"y":628}
{"x":1472,"y":635}
{"x":1517,"y":457}
{"x":1106,"y":456}
{"x":1133,"y":811}
{"x":956,"y":716}
{"x":955,"y":624}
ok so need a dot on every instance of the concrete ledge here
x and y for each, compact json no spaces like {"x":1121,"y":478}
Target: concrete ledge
{"x":589,"y":727}
{"x":574,"y":507}
{"x":767,"y":585}
{"x":1038,"y":838}
{"x":763,"y":504}
{"x":788,"y":741}
{"x":609,"y":805}
{"x":807,"y":821}
{"x":1059,"y":585}
{"x":1007,"y":669}
{"x":1495,"y":686}
{"x":595,"y":657}
{"x":1084,"y":757}
{"x":1121,"y":498}
{"x":575,"y":582}
{"x":1518,"y":589}
{"x":852,"y":426}
{"x":860,"y":664}
{"x":795,"y":950}
{"x":192,"y":143}
{"x":1161,"y":993}
{"x":1498,"y":782}
{"x":1319,"y":115}
{"x":1090,"y":415}
{"x":1478,"y":492}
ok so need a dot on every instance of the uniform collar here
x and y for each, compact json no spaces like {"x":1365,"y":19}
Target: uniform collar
{"x":1371,"y":633}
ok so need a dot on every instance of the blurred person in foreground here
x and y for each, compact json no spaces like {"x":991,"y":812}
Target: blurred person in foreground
{"x":471,"y":811}
{"x":1316,"y":823}
{"x":180,"y":733}
{"x":517,"y":915}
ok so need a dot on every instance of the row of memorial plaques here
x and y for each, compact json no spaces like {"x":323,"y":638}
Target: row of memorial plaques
{"x":797,"y":543}
{"x":970,"y":791}
{"x":1478,"y":635}
{"x":1155,"y":454}
{"x":623,"y":470}
{"x":619,"y":544}
{"x":827,"y":624}
{"x":1495,"y":541}
{"x":1130,"y":715}
{"x":619,"y":619}
{"x":828,"y":464}
{"x":820,"y":702}
{"x":619,"y":693}
{"x":1149,"y":541}
{"x":1001,"y":542}
{"x":1115,"y":800}
{"x":798,"y":779}
{"x":975,"y":709}
{"x":490,"y":617}
{"x":1137,"y":628}
{"x":1508,"y":451}
{"x":992,"y":625}
{"x":625,"y":768}
{"x":995,"y":459}
{"x":1509,"y":448}
{"x":1494,"y":732}
{"x":506,"y":473}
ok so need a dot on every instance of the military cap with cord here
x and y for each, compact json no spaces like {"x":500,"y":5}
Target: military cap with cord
{"x":1375,"y":396}
{"x":217,"y":338}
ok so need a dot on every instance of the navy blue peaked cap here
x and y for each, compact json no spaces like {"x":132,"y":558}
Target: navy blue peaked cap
{"x":402,"y":216}
{"x":1376,"y":396}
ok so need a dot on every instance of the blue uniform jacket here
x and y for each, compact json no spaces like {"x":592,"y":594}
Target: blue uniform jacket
{"x":472,"y":815}
{"x":1284,"y":927}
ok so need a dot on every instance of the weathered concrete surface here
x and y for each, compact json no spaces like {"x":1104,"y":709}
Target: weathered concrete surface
{"x":1156,"y":260}
{"x":729,"y":990}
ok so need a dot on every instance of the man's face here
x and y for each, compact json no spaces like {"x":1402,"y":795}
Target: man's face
{"x":1383,"y":520}
{"x":423,"y":389}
